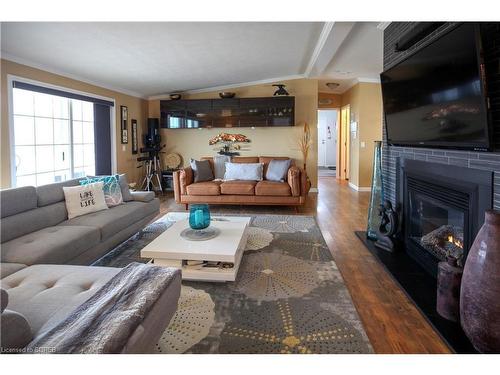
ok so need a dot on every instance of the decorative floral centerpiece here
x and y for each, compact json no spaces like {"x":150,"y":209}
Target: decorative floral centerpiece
{"x":229,"y":142}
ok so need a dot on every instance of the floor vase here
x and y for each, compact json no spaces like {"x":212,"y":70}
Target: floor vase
{"x":480,"y":291}
{"x":377,"y":194}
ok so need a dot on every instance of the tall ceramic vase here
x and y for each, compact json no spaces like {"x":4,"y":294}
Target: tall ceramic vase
{"x":377,"y":193}
{"x":480,"y":292}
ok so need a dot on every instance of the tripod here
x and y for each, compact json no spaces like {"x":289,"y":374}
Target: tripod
{"x":152,"y":164}
{"x":153,"y":172}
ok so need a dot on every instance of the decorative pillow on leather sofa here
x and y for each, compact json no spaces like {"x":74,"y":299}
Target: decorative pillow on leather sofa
{"x":112,"y":190}
{"x":277,"y":170}
{"x":244,"y":171}
{"x":201,"y":170}
{"x":82,"y":200}
{"x":220,"y":165}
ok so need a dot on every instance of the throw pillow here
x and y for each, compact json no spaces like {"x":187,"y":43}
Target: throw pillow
{"x":112,"y":189}
{"x":277,"y":170}
{"x":82,"y":200}
{"x":244,"y":171}
{"x":127,"y":196}
{"x":202,"y":171}
{"x":220,"y":165}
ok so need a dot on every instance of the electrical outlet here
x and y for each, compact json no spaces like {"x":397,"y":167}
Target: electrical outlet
{"x":363,"y":144}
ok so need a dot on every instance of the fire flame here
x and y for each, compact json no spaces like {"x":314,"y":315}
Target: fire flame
{"x":457,"y":242}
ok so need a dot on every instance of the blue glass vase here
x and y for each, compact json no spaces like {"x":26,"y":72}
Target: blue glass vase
{"x":199,"y":216}
{"x":377,"y":193}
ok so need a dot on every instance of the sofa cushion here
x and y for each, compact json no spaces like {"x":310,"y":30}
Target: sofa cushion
{"x":202,"y":170}
{"x":204,"y":188}
{"x":15,"y":201}
{"x":7,"y":269}
{"x":53,"y":193}
{"x":30,"y":221}
{"x":273,"y":188}
{"x":243,"y":171}
{"x":111,"y":188}
{"x":46,"y":294}
{"x":267,"y":159}
{"x":57,"y":244}
{"x":219,"y":165}
{"x":122,"y":179}
{"x":238,"y":187}
{"x":142,"y":196}
{"x":115,"y":219}
{"x":277,"y":170}
{"x":85,"y":199}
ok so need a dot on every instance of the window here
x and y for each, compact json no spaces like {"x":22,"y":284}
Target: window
{"x":53,"y":138}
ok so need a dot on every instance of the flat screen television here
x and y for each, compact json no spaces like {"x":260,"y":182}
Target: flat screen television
{"x":436,"y":97}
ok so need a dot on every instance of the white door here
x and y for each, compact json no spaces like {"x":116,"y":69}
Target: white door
{"x":327,"y":138}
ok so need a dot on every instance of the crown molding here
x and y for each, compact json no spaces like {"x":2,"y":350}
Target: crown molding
{"x":32,"y":64}
{"x":231,"y":86}
{"x":323,"y":36}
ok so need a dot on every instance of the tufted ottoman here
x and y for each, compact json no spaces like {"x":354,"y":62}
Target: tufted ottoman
{"x":46,"y":294}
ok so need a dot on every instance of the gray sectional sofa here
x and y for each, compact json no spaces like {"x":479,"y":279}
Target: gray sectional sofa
{"x":35,"y":227}
{"x":45,"y":257}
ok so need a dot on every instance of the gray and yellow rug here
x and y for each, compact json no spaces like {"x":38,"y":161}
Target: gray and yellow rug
{"x":289,"y":296}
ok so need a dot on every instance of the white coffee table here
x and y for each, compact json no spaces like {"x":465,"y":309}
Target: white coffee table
{"x":169,"y":249}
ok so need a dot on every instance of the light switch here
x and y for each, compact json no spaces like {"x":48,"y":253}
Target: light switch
{"x":124,"y":148}
{"x":363,"y":144}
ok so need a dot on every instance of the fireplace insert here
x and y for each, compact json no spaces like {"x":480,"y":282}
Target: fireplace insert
{"x":443,"y":209}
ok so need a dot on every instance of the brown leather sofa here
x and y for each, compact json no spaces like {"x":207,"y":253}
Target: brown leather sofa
{"x":291,"y":192}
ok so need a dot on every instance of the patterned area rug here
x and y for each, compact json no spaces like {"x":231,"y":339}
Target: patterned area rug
{"x":289,"y":296}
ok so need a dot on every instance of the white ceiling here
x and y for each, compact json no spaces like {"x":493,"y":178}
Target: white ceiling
{"x":358,"y":59}
{"x":148,"y":59}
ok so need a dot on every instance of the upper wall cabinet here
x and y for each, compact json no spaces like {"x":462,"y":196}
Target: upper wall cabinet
{"x":228,"y":113}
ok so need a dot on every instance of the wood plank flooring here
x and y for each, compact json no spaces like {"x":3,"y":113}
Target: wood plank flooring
{"x":391,"y":320}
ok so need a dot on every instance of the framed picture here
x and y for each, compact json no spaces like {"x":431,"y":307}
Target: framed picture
{"x":123,"y":123}
{"x":134,"y":136}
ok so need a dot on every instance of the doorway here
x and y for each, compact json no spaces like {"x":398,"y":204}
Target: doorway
{"x":344,"y":143}
{"x":327,"y":142}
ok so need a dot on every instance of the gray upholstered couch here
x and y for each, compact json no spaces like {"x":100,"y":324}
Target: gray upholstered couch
{"x":42,"y":253}
{"x":45,"y":294}
{"x":35,"y":227}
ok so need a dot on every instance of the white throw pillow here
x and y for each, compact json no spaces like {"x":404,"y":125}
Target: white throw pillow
{"x":82,"y":200}
{"x":244,"y":171}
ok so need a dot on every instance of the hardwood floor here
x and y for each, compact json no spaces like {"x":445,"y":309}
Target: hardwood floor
{"x":391,"y":320}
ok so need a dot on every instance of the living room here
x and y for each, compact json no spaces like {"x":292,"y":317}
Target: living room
{"x":294,"y":186}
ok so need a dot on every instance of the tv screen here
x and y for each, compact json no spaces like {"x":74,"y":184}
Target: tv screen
{"x":435,"y":97}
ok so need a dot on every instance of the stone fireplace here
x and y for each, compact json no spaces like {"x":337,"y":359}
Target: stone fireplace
{"x":443,"y":208}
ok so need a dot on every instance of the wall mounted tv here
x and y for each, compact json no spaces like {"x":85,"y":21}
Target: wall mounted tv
{"x":436,"y":97}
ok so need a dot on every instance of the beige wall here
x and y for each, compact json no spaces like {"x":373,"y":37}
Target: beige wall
{"x":193,"y":143}
{"x":365,"y":100}
{"x":137,"y":109}
{"x":335,"y":98}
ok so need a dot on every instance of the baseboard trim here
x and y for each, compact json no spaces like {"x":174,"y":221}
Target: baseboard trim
{"x":313,"y":190}
{"x":359,"y":188}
